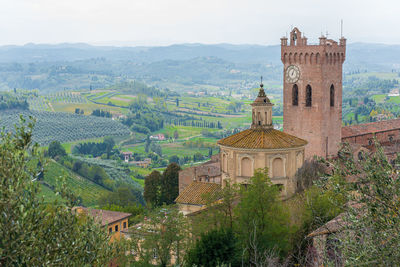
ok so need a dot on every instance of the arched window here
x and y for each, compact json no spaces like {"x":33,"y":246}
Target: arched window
{"x":295,"y":95}
{"x":277,"y":168}
{"x":246,"y":168}
{"x":332,"y":96}
{"x":308,"y":96}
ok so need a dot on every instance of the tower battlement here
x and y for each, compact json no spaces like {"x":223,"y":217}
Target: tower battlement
{"x":296,"y":50}
{"x":312,"y":91}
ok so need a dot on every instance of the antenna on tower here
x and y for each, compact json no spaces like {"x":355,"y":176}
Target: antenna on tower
{"x":341,"y":28}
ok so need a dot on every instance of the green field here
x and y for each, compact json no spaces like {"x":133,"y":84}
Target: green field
{"x":69,"y":145}
{"x":88,"y":191}
{"x":394,"y":99}
{"x":380,"y":75}
{"x":379,"y":98}
{"x":184,"y":132}
{"x":111,"y":97}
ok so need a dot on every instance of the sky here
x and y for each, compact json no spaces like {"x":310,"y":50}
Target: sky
{"x":165,"y":22}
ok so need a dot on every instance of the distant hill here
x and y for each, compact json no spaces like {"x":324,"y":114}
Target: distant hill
{"x":80,"y":51}
{"x":369,"y":55}
{"x":177,"y":67}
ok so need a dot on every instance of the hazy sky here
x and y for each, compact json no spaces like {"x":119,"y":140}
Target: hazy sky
{"x":162,"y":22}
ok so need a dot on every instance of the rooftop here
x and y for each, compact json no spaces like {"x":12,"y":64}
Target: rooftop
{"x":372,"y":127}
{"x":195,"y":192}
{"x":262,"y":138}
{"x":104,"y":216}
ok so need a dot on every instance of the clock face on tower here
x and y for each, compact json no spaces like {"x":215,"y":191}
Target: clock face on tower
{"x":292,"y":74}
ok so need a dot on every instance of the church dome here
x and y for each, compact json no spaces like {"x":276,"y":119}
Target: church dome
{"x":262,"y":138}
{"x":262,"y":134}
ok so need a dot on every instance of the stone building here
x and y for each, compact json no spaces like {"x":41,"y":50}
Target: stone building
{"x":262,"y":146}
{"x":363,"y":134}
{"x":208,"y":172}
{"x":312,"y":92}
{"x":241,"y":154}
{"x":386,"y":133}
{"x":114,"y":221}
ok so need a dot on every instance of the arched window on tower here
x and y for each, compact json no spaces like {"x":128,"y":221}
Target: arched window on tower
{"x":295,"y":95}
{"x":332,"y":96}
{"x":308,"y":96}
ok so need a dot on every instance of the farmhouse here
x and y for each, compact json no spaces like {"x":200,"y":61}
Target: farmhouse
{"x":113,"y":221}
{"x":127,"y":156}
{"x":142,"y":163}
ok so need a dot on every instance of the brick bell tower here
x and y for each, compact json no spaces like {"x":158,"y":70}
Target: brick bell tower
{"x":312,"y":92}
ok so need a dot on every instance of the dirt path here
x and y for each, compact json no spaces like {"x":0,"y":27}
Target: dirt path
{"x":51,"y":106}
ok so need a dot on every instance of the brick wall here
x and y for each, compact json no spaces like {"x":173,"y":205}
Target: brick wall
{"x":320,"y":67}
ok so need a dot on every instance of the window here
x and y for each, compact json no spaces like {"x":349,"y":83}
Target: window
{"x":308,"y":96}
{"x":277,"y":168}
{"x":390,"y":138}
{"x":295,"y":95}
{"x":110,"y":230}
{"x":124,"y":225}
{"x":370,"y":142}
{"x":116,"y":228}
{"x":332,"y":95}
{"x":246,"y":168}
{"x":360,"y":156}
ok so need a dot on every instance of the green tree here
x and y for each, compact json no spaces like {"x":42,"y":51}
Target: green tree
{"x":170,"y":184}
{"x":371,"y":230}
{"x":152,"y":188}
{"x":163,"y":234}
{"x":56,"y":150}
{"x":33,"y":233}
{"x":173,"y":159}
{"x":263,"y":224}
{"x":176,"y":135}
{"x":123,"y":196}
{"x":110,"y":143}
{"x":220,"y":210}
{"x":215,"y":248}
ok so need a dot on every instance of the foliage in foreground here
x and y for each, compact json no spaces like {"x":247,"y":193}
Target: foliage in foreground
{"x":35,"y":234}
{"x":215,"y":248}
{"x":164,"y":236}
{"x":371,"y":231}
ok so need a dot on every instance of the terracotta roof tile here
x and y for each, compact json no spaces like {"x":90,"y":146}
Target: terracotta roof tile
{"x":262,"y":138}
{"x":104,"y":216}
{"x":372,"y":127}
{"x":194,"y":193}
